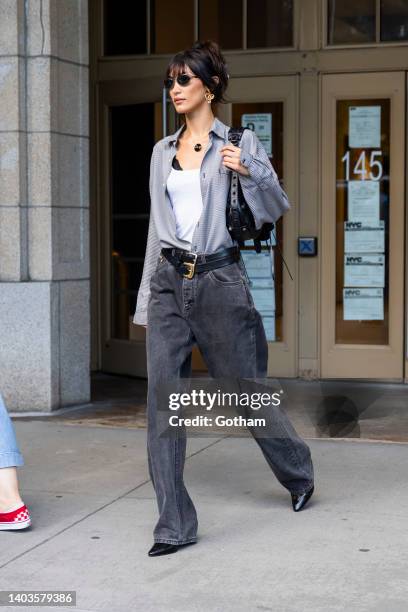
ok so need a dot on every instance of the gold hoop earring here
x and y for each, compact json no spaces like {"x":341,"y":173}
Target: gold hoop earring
{"x":208,"y":96}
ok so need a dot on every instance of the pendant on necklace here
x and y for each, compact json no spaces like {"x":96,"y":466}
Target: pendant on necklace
{"x":197,"y":147}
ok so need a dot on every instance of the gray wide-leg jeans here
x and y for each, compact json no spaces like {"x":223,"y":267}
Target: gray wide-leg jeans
{"x":214,"y":309}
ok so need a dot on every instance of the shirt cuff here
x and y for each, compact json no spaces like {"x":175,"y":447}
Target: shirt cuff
{"x":245,"y":158}
{"x":140,"y":317}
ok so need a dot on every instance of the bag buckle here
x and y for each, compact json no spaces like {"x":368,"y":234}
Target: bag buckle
{"x":190,"y":265}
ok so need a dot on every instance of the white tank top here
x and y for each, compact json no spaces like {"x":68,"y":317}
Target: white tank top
{"x":186,"y":200}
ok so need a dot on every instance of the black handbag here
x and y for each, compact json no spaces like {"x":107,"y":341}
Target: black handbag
{"x":240,"y":220}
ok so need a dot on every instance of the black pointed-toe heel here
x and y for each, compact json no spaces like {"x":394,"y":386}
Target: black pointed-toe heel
{"x":162,"y":548}
{"x":300,"y":499}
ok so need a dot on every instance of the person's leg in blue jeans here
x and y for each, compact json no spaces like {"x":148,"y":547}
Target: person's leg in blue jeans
{"x":10,"y":459}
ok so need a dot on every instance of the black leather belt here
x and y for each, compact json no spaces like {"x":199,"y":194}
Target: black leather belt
{"x":187,"y":263}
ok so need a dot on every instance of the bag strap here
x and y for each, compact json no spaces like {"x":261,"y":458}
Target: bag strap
{"x":234,"y":136}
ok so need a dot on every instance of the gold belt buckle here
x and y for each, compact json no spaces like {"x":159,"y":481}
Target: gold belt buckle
{"x":191,"y":266}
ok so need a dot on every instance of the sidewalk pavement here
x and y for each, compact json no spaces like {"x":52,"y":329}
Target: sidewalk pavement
{"x":93,"y":510}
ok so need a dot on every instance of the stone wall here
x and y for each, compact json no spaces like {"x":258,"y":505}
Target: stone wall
{"x":44,"y":204}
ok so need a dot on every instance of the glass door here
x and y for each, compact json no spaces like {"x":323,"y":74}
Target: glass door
{"x":268,"y":105}
{"x":363,"y":226}
{"x":129,"y":125}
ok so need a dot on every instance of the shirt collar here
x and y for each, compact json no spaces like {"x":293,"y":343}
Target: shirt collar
{"x":217,"y":127}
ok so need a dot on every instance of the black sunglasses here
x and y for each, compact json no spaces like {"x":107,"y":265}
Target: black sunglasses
{"x":182,"y":79}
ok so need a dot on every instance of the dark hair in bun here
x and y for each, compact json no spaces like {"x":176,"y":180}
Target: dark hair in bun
{"x":205,"y":60}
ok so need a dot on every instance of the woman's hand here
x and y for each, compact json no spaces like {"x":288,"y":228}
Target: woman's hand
{"x":231,"y":156}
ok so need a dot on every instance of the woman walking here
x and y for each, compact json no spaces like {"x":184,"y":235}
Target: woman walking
{"x":193,"y":287}
{"x":14,"y":513}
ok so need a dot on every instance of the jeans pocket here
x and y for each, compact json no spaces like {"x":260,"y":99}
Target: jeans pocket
{"x":249,"y":294}
{"x":227,"y":275}
{"x":160,"y":265}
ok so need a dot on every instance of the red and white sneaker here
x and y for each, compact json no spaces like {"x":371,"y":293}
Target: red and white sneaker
{"x":16,"y":519}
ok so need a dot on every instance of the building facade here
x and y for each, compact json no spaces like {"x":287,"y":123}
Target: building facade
{"x":323,"y":84}
{"x":44,"y":204}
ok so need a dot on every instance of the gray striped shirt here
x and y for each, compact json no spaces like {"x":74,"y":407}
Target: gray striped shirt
{"x":261,"y":190}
